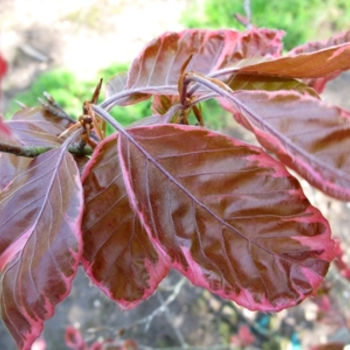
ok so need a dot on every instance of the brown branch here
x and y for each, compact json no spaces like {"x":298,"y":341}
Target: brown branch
{"x":32,"y":151}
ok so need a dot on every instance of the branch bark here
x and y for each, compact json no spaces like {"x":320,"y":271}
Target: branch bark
{"x":32,"y":151}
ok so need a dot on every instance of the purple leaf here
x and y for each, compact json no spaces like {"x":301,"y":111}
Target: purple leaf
{"x":118,"y":255}
{"x":40,"y":244}
{"x":227,"y":216}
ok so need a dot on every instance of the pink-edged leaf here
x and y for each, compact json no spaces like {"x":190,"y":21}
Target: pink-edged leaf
{"x":307,"y":135}
{"x":320,"y":83}
{"x":40,"y":242}
{"x":227,"y":216}
{"x":118,"y":255}
{"x":316,"y":64}
{"x":157,"y":68}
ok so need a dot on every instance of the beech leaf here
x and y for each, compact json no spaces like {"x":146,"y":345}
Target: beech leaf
{"x":307,"y":135}
{"x":226,"y":215}
{"x":157,"y":68}
{"x":118,"y":254}
{"x":319,"y":83}
{"x":40,"y":242}
{"x":315,"y":64}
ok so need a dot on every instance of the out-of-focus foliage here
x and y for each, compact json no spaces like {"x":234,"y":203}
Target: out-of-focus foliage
{"x":303,"y":21}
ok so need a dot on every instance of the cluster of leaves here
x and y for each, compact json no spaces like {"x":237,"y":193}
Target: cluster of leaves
{"x":295,"y":19}
{"x":163,"y":194}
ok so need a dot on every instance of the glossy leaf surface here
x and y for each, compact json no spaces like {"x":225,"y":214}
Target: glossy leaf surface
{"x":40,"y":242}
{"x":306,"y":135}
{"x":118,"y":254}
{"x":226,"y":215}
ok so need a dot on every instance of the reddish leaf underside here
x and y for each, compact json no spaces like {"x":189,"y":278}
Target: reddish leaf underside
{"x":226,"y":215}
{"x":308,"y":65}
{"x":159,"y":63}
{"x":319,"y":83}
{"x":40,"y":242}
{"x":307,"y":135}
{"x":118,"y":255}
